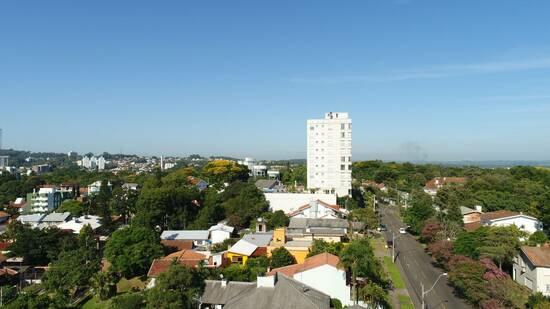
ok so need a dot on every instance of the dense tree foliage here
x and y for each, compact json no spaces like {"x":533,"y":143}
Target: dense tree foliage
{"x":131,"y":250}
{"x":280,"y":257}
{"x":178,"y":288}
{"x":420,"y":210}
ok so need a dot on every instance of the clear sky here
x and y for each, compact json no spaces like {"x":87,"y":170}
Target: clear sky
{"x":434,"y":80}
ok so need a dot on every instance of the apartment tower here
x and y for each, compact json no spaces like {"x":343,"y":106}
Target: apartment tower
{"x":329,"y":154}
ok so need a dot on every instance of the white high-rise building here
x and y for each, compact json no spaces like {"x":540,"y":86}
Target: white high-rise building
{"x":329,"y":154}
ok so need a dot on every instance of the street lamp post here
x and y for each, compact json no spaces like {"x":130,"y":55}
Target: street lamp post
{"x":428,"y":291}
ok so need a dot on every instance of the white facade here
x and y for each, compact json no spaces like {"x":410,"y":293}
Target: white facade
{"x":46,"y":199}
{"x":220,"y":232}
{"x":523,"y":222}
{"x":329,"y":154}
{"x":536,"y":279}
{"x":93,"y":162}
{"x":289,"y":202}
{"x":319,"y":210}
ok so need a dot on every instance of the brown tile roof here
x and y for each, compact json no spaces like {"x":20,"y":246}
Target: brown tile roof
{"x":539,"y":256}
{"x":438,"y":182}
{"x":177,"y":244}
{"x":369,"y":183}
{"x":4,"y":214}
{"x":499,"y":214}
{"x":188,"y":258}
{"x":309,"y":263}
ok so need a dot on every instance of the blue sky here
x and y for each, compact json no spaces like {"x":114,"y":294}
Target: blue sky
{"x":422,"y":80}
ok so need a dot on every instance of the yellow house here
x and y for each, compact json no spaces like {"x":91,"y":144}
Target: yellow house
{"x":299,"y":249}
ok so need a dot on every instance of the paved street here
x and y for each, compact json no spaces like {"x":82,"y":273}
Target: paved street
{"x":416,"y":266}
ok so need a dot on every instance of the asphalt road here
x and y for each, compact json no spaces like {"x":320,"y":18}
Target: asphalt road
{"x":416,"y":265}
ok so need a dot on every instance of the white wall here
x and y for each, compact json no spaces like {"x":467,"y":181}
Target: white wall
{"x":523,"y":223}
{"x":289,"y":202}
{"x":218,"y":236}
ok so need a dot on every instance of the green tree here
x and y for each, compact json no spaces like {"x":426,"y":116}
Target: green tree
{"x":124,"y":202}
{"x":219,"y":172}
{"x":281,"y":257}
{"x":374,"y":295}
{"x":501,"y":244}
{"x":276,"y":219}
{"x":467,"y":278}
{"x":132,"y":249}
{"x":421,"y":210}
{"x":365,"y":215}
{"x":74,"y":207}
{"x":104,"y":285}
{"x":243,"y":203}
{"x":128,"y":300}
{"x":320,"y":246}
{"x":179,"y":287}
{"x":236,"y":272}
{"x":537,"y":238}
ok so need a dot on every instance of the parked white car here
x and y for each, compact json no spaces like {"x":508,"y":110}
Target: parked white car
{"x":402,"y":230}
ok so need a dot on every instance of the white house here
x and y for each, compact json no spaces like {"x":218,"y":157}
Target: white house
{"x":95,"y":187}
{"x":323,"y":273}
{"x":220,"y":232}
{"x":289,"y":202}
{"x":524,"y":222}
{"x":319,"y":209}
{"x":199,"y":237}
{"x":532,"y":269}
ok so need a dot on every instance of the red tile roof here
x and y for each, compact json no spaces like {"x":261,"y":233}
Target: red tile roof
{"x":539,"y":256}
{"x":177,"y":244}
{"x":188,"y":258}
{"x":499,"y":214}
{"x":310,"y":263}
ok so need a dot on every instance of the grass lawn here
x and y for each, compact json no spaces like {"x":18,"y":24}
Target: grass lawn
{"x":127,"y":285}
{"x":405,"y":302}
{"x":395,"y":276}
{"x":95,"y":303}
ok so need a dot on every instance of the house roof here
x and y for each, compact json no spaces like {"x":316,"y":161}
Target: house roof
{"x":177,"y":244}
{"x":259,"y":239}
{"x":538,"y":256}
{"x":56,"y":217}
{"x":309,"y":263}
{"x":76,"y":224}
{"x":466,"y":210}
{"x":472,"y":226}
{"x":501,"y":214}
{"x":185,"y":234}
{"x":287,"y":293}
{"x":4,"y":214}
{"x":214,"y":293}
{"x":221,"y":227}
{"x":302,"y":223}
{"x":243,"y":247}
{"x":185,"y":257}
{"x":336,"y":208}
{"x":36,"y":218}
{"x":266,"y":184}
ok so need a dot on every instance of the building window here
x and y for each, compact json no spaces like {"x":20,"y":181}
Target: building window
{"x":342,"y":167}
{"x":343,"y":126}
{"x":343,"y":134}
{"x":349,"y":167}
{"x":349,"y":126}
{"x":349,"y":159}
{"x":311,"y":128}
{"x":343,"y":159}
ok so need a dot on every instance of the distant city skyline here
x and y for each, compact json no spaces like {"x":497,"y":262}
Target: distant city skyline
{"x":422,"y":80}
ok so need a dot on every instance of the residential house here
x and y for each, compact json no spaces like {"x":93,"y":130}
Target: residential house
{"x":289,"y":202}
{"x":470,"y":215}
{"x":199,"y":237}
{"x":76,"y":224}
{"x":331,"y":230}
{"x":319,"y":209}
{"x":220,"y":232}
{"x":270,"y":185}
{"x":437,"y":183}
{"x":299,"y":249}
{"x":186,"y":257}
{"x":95,"y":187}
{"x":322,"y":272}
{"x":173,"y":245}
{"x":373,"y":184}
{"x":274,"y":292}
{"x":20,"y":204}
{"x":525,"y":223}
{"x":532,"y":268}
{"x":197,"y":182}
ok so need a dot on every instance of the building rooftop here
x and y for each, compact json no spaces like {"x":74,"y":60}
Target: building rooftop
{"x":501,"y":214}
{"x":185,"y":235}
{"x":243,"y":247}
{"x":221,"y":227}
{"x":34,"y":218}
{"x":538,"y":256}
{"x":259,"y":239}
{"x":310,"y":263}
{"x":56,"y":217}
{"x":177,"y":244}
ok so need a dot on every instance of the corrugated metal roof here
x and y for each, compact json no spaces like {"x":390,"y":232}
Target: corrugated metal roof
{"x":185,"y":234}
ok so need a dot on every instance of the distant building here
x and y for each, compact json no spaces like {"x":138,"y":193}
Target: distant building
{"x":437,"y":183}
{"x":329,"y":158}
{"x":331,"y":230}
{"x":197,"y":182}
{"x":72,"y":155}
{"x":93,"y":163}
{"x":256,"y":170}
{"x":531,"y":268}
{"x":471,"y":215}
{"x":4,"y":162}
{"x":41,"y":169}
{"x":319,"y":209}
{"x":130,"y":186}
{"x":76,"y":224}
{"x":43,"y":200}
{"x":270,"y":185}
{"x":95,"y":187}
{"x":200,"y":238}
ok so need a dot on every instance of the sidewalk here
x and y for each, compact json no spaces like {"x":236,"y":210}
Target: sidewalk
{"x":399,"y":296}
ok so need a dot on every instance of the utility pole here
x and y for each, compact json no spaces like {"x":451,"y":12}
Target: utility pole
{"x":393,"y":247}
{"x":428,"y":291}
{"x":422,"y":285}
